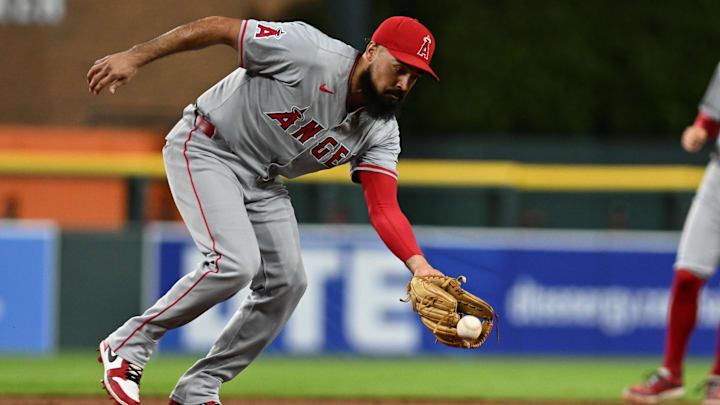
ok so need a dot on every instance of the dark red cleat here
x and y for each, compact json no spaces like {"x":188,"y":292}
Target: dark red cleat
{"x":660,"y":386}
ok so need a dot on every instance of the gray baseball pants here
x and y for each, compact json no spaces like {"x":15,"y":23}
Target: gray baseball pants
{"x":248,"y":234}
{"x":699,"y":248}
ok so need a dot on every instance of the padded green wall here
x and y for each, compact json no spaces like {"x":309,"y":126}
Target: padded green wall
{"x":100,"y":274}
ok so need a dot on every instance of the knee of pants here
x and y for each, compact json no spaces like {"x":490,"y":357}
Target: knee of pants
{"x":237,"y":274}
{"x":299,"y":283}
{"x":294,"y":283}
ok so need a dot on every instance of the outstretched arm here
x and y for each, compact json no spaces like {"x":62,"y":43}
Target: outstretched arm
{"x":391,"y":224}
{"x":117,"y":69}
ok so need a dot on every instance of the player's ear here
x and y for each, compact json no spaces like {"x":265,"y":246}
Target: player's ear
{"x":371,"y":51}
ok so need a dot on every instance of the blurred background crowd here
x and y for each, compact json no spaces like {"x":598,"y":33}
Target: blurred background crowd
{"x":590,"y":82}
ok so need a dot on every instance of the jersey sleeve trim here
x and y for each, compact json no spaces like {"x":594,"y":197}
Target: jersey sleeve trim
{"x":377,"y":169}
{"x":242,"y":43}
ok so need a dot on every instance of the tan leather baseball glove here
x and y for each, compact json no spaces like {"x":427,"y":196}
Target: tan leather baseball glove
{"x":441,"y":301}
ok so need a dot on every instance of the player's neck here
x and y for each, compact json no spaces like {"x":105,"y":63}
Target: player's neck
{"x":355,"y":98}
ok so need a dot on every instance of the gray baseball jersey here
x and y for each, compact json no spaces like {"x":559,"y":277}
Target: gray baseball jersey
{"x":284,"y":110}
{"x":710,"y":103}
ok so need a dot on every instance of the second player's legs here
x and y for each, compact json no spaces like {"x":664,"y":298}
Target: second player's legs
{"x":276,"y":291}
{"x":210,"y":200}
{"x":699,"y":248}
{"x":697,"y":260}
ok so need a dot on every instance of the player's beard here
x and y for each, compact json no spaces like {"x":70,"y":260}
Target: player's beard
{"x":378,"y":105}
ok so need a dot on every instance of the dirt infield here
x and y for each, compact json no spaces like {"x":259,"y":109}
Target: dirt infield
{"x":250,"y":401}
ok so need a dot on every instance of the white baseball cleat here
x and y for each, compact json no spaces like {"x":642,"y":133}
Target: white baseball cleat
{"x":121,"y":379}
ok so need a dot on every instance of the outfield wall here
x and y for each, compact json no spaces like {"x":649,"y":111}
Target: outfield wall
{"x":28,"y":286}
{"x":586,"y":292}
{"x":556,"y":292}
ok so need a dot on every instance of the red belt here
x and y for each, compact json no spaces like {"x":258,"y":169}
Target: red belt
{"x":204,"y":126}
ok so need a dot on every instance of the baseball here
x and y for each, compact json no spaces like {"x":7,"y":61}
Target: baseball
{"x":469,"y":327}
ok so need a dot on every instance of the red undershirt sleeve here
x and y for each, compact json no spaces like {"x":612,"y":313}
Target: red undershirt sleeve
{"x":385,"y":215}
{"x":708,"y":123}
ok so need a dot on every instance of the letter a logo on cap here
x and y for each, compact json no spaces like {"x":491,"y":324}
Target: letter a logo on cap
{"x":408,"y":41}
{"x":425,"y":48}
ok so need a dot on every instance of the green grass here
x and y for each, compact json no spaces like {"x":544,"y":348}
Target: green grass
{"x":474,"y":377}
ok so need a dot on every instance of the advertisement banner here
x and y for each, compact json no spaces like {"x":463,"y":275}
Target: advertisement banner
{"x":584,"y":292}
{"x":28,"y":293}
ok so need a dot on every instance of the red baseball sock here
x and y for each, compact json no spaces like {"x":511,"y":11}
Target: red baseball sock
{"x":682,"y":315}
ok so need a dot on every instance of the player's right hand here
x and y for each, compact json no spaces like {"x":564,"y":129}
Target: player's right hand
{"x":114,"y":70}
{"x":693,"y":138}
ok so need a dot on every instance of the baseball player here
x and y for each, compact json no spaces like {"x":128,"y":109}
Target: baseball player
{"x":697,"y":261}
{"x":299,"y":102}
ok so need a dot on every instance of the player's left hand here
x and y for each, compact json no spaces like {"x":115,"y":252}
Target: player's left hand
{"x":114,"y":70}
{"x":693,"y":138}
{"x":420,"y":267}
{"x":440,"y":302}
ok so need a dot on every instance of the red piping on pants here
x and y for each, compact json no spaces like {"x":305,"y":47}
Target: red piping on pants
{"x":219,"y":256}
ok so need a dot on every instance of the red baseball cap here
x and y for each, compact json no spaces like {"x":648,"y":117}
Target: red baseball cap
{"x":408,"y":41}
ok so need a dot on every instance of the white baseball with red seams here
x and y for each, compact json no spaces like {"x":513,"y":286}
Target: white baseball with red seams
{"x":469,"y":327}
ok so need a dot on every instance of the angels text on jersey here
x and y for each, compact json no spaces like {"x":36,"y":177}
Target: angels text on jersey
{"x":294,"y":124}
